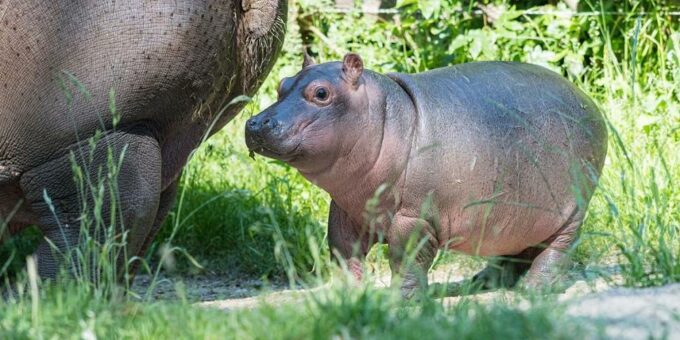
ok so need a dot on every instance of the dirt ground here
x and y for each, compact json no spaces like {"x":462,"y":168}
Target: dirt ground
{"x":591,"y":296}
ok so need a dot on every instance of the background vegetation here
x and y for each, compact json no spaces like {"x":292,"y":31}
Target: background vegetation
{"x":259,"y":218}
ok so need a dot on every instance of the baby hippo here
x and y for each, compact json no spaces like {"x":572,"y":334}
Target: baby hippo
{"x":485,"y":158}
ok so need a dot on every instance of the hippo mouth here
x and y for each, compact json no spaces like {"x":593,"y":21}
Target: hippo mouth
{"x":258,"y":145}
{"x":280,"y":145}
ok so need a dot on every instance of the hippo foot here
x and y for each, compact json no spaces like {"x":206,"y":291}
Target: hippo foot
{"x":548,"y":283}
{"x":6,"y":294}
{"x":548,"y":273}
{"x":413,"y":286}
{"x":412,"y":292}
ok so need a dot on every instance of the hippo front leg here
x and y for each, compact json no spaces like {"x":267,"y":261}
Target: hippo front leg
{"x":412,"y":248}
{"x":347,"y":240}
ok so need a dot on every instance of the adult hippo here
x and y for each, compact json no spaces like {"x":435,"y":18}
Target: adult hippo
{"x":172,"y":67}
{"x":485,"y":158}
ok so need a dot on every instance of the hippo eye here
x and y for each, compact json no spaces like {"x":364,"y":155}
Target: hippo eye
{"x":321,"y":94}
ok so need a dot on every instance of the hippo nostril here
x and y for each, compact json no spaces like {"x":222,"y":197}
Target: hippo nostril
{"x":270,"y":123}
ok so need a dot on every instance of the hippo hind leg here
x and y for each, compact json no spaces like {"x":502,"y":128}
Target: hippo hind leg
{"x":551,"y":263}
{"x":543,"y":264}
{"x":167,"y":201}
{"x":136,"y":200}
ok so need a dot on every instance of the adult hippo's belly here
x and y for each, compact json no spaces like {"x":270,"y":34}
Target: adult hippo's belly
{"x":512,"y":161}
{"x":152,"y":76}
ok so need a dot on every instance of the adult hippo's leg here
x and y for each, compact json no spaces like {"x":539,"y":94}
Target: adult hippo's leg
{"x":167,"y":201}
{"x":412,"y":248}
{"x":136,"y":197}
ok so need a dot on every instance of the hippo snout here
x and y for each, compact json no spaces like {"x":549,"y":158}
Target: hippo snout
{"x":258,"y":125}
{"x":269,"y":136}
{"x":261,"y":130}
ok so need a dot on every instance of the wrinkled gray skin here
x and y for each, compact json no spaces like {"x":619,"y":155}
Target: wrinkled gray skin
{"x":174,"y":64}
{"x":485,"y":158}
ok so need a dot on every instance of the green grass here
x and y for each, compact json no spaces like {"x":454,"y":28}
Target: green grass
{"x":257,"y":217}
{"x":69,"y":312}
{"x":240,"y":214}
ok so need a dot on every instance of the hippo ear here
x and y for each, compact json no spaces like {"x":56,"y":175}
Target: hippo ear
{"x":308,"y":61}
{"x":352,"y":68}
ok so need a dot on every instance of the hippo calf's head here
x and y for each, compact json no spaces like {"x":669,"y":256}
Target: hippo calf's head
{"x":320,"y":115}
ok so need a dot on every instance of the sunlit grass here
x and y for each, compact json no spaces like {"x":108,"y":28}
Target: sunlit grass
{"x":70,"y":312}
